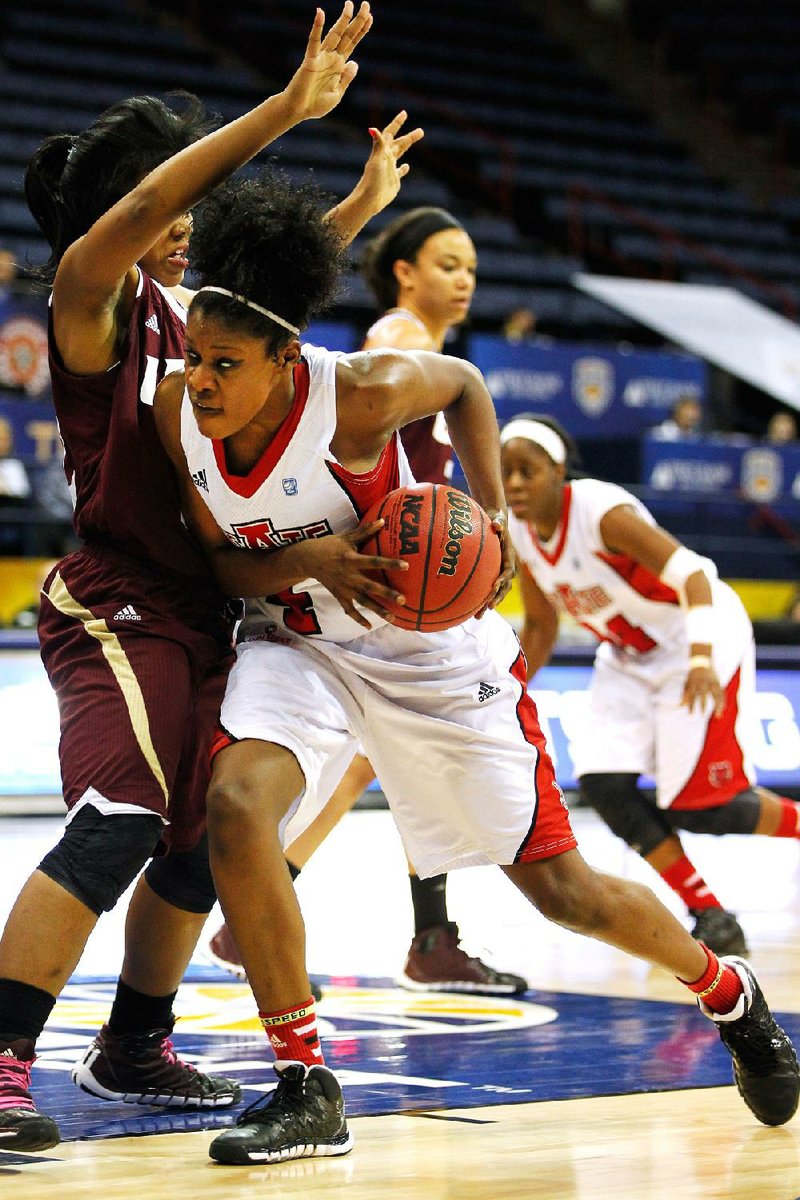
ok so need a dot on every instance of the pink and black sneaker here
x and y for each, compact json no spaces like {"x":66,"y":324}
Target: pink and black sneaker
{"x":21,"y":1126}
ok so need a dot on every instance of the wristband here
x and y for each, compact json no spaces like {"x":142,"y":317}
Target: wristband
{"x":700,"y":625}
{"x":699,"y":660}
{"x":681,"y":565}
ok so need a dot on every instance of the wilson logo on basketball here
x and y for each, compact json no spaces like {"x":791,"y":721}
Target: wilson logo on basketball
{"x":410,"y":511}
{"x":459,"y":525}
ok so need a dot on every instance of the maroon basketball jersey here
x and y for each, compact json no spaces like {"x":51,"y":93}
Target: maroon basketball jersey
{"x":125,"y":487}
{"x":427,"y":457}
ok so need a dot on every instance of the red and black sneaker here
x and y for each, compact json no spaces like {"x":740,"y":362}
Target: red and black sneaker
{"x":21,"y":1126}
{"x":143,"y":1068}
{"x":437,"y":963}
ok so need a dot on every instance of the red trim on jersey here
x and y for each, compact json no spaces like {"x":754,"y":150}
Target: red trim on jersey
{"x":365,"y":490}
{"x":639,"y":578}
{"x":550,"y":832}
{"x":719,"y":774}
{"x":248,"y":485}
{"x":220,"y":740}
{"x":553,"y":556}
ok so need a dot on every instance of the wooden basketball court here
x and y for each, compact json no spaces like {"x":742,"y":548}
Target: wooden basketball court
{"x":631,"y":1094}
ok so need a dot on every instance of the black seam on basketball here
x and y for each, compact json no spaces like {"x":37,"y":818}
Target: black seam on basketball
{"x":428,"y":551}
{"x":473,"y":569}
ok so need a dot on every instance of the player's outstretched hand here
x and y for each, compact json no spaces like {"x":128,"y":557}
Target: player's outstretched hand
{"x":508,"y":563}
{"x":384,"y":171}
{"x":325,"y":73}
{"x":701,"y":686}
{"x":347,"y":574}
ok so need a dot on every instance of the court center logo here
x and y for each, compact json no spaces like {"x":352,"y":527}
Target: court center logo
{"x":593,"y":385}
{"x":227,"y":1010}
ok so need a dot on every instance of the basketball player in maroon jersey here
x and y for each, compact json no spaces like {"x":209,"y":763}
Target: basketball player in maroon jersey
{"x":279,"y":448}
{"x":421,"y":269}
{"x":134,"y":635}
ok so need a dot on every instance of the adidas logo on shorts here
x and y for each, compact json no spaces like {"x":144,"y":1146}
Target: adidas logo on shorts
{"x":486,"y":691}
{"x":152,"y":323}
{"x":128,"y":613}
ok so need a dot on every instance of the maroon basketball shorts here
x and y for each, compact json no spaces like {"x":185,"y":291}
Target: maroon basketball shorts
{"x":139,"y":665}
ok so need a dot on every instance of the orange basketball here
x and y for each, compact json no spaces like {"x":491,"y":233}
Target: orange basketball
{"x":452,"y":551}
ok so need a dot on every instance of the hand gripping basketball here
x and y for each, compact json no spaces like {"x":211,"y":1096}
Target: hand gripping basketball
{"x":452,"y":550}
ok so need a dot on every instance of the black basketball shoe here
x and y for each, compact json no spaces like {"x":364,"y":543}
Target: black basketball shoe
{"x":302,"y":1118}
{"x":765,"y":1065}
{"x":21,"y":1126}
{"x":143,"y":1068}
{"x":719,"y":930}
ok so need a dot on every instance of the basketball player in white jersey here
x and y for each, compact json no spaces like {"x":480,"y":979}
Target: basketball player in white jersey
{"x":421,"y":268}
{"x":278,"y":450}
{"x":673,"y":685}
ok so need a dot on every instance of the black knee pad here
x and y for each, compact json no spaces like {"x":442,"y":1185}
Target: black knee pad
{"x":99,"y":856}
{"x":184,"y":879}
{"x":739,"y":815}
{"x":627,"y":813}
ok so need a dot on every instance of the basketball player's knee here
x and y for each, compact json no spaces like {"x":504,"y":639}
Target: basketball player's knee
{"x":626,"y":812}
{"x":238,"y":813}
{"x":739,"y":815}
{"x":555,"y":895}
{"x":184,"y":879}
{"x":99,"y":855}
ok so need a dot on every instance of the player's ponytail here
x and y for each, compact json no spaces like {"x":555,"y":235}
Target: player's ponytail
{"x":43,"y":194}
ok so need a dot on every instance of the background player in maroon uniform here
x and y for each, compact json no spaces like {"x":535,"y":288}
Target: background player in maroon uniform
{"x":134,"y":636}
{"x":421,"y":268}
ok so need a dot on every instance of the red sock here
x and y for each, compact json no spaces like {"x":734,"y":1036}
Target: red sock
{"x":719,"y":987}
{"x":684,"y":878}
{"x":790,"y":820}
{"x":293,"y":1033}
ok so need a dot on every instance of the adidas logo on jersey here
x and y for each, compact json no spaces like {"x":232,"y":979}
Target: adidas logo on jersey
{"x":128,"y":613}
{"x":152,"y":323}
{"x":199,"y":480}
{"x":486,"y":691}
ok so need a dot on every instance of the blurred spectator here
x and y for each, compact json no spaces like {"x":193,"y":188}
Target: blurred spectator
{"x":519,"y":326}
{"x":782,"y":428}
{"x":8,"y":275}
{"x":685,"y":421}
{"x":15,"y":492}
{"x":15,"y":486}
{"x":54,"y":500}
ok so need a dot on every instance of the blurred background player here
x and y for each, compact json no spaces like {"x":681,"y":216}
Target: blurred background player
{"x":421,"y":269}
{"x":674,"y":676}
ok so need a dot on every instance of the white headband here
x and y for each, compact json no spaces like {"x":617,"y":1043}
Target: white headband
{"x":535,"y":431}
{"x":251,"y":304}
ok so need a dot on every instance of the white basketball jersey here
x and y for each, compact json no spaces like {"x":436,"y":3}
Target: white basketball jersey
{"x":297,"y":490}
{"x":612,"y":595}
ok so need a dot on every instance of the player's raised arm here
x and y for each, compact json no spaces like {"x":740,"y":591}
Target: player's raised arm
{"x":96,"y":263}
{"x":380,"y":181}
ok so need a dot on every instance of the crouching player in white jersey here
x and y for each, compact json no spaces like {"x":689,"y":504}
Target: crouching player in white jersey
{"x":281,"y":449}
{"x":674,"y":677}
